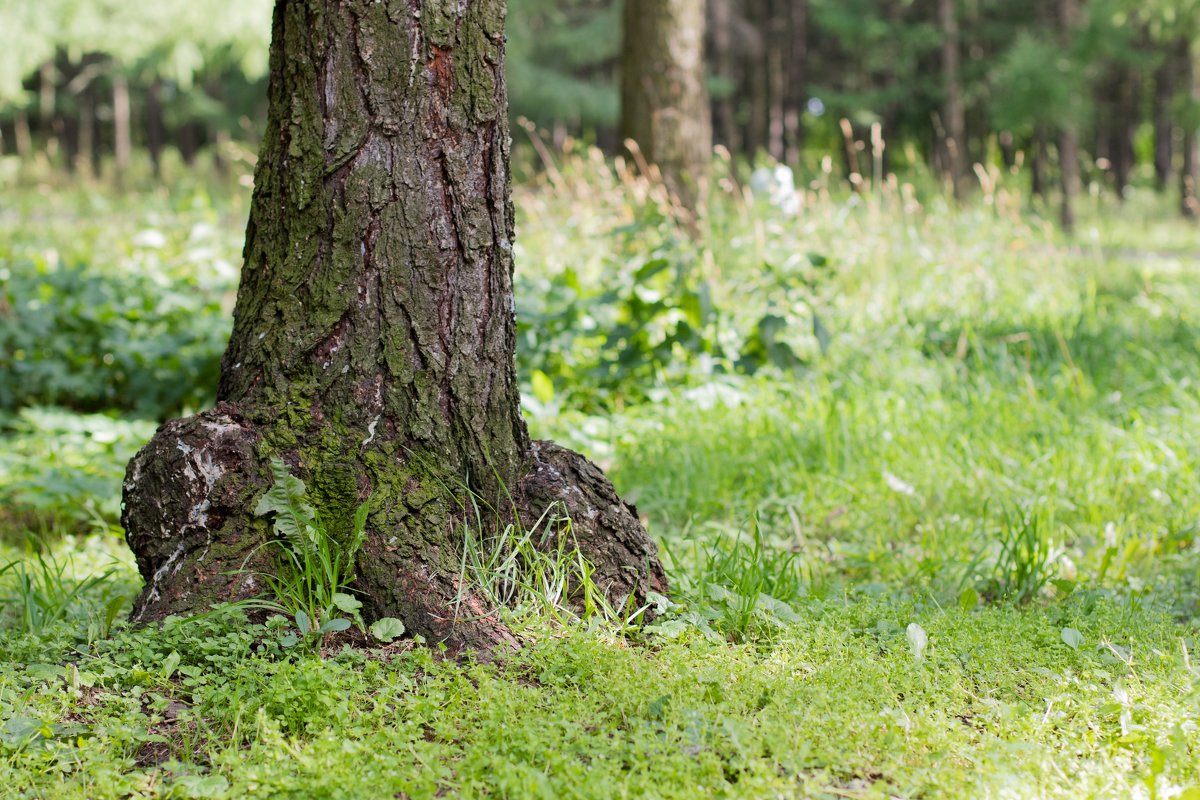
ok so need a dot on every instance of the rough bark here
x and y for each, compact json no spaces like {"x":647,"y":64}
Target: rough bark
{"x":664,"y":102}
{"x":373,"y":340}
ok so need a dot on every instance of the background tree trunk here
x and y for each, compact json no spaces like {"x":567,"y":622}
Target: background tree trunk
{"x":721,"y":57}
{"x":373,"y":341}
{"x":1068,"y":137}
{"x":122,"y":124}
{"x":955,"y":138}
{"x":1164,"y":122}
{"x":1189,"y":173}
{"x":664,"y":103}
{"x":796,"y":91}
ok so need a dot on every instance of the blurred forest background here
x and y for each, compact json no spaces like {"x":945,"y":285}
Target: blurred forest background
{"x":947,"y":84}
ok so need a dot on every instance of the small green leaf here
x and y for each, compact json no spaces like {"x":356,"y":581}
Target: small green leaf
{"x":334,"y":625}
{"x":198,"y":787}
{"x":303,"y":623}
{"x":347,"y":603}
{"x":170,"y":663}
{"x":1064,"y":586}
{"x":288,"y":640}
{"x":386,"y":629}
{"x":968,"y":599}
{"x":45,"y":672}
{"x":1072,"y":638}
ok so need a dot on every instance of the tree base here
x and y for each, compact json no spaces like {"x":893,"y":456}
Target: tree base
{"x":190,"y":492}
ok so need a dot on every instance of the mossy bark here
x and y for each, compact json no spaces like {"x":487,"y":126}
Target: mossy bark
{"x":373,"y":342}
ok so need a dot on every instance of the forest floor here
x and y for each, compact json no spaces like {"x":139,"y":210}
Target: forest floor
{"x":927,"y":481}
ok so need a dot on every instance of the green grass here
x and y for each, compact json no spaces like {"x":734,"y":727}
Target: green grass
{"x":945,"y":548}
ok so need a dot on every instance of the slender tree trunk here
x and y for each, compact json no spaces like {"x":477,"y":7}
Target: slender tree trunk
{"x":1164,"y":122}
{"x":777,"y":45}
{"x":122,"y":124}
{"x":87,"y":132}
{"x":796,"y":91}
{"x":1068,"y":138}
{"x":1121,"y":129}
{"x":1189,"y":174}
{"x":755,"y":137}
{"x":22,"y":138}
{"x":1038,"y":162}
{"x":155,"y":127}
{"x":373,"y":339}
{"x":954,"y":115}
{"x":188,"y":142}
{"x":721,"y":39}
{"x":664,"y":103}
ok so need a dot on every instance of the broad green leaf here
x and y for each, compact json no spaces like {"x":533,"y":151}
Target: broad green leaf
{"x":968,"y":598}
{"x":334,"y":625}
{"x":347,"y":603}
{"x":170,"y":663}
{"x":303,"y":623}
{"x":385,"y":629}
{"x":1072,"y":638}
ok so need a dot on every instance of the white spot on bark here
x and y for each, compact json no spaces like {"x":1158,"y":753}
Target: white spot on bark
{"x":371,"y":431}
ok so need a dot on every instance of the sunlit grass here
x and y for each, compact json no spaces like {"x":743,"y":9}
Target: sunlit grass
{"x":992,"y":434}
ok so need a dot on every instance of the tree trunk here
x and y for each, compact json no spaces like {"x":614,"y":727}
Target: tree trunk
{"x":22,"y":138}
{"x":954,"y":116}
{"x":373,"y":340}
{"x":664,"y":103}
{"x":796,"y":92}
{"x":155,"y":127}
{"x":1164,"y":122}
{"x":1068,"y":138}
{"x":1121,"y":128}
{"x":755,"y":76}
{"x":721,"y":29}
{"x":1037,"y":162}
{"x":86,"y":155}
{"x":122,"y":124}
{"x":776,"y":33}
{"x":1189,"y":174}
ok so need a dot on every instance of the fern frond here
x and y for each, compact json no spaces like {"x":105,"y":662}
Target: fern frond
{"x":295,"y":519}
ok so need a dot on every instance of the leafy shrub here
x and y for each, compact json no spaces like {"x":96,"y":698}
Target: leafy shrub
{"x":91,"y":340}
{"x":60,"y":467}
{"x":657,"y":315}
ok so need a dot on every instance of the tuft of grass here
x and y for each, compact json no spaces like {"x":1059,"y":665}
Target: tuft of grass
{"x":41,"y":590}
{"x":532,"y":575}
{"x":742,"y":589}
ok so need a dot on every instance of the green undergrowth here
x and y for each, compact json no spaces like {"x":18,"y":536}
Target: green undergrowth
{"x":1088,"y":698}
{"x":926,"y":481}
